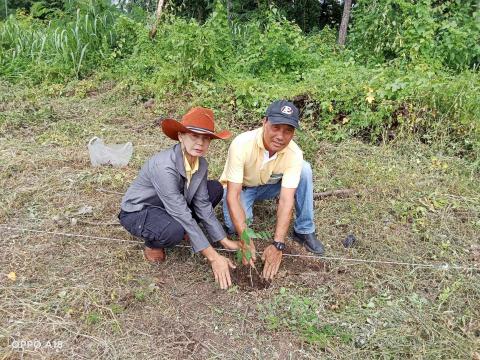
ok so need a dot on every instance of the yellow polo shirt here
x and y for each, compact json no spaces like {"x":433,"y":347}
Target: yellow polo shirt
{"x":189,"y":171}
{"x":248,"y":162}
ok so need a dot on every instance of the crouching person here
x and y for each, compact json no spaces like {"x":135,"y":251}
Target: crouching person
{"x":171,"y":194}
{"x":265,"y":163}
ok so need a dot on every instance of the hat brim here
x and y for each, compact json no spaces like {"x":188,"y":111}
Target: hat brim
{"x":171,"y":128}
{"x":280,"y":120}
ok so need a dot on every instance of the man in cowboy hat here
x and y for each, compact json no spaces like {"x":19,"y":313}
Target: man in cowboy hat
{"x":263,"y":164}
{"x":171,"y":194}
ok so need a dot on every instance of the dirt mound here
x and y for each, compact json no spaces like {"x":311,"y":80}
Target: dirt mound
{"x":249,"y":279}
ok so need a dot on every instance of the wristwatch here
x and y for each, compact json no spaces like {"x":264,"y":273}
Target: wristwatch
{"x":279,"y":245}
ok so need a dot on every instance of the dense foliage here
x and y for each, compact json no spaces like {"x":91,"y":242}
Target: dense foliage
{"x":447,"y":32}
{"x":409,"y":69}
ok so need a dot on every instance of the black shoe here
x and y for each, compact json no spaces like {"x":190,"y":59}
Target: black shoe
{"x":310,"y":242}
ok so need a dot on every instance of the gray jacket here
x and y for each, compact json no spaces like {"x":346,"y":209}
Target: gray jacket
{"x":162,"y":182}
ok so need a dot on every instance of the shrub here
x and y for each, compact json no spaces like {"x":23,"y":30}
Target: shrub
{"x":446,"y":32}
{"x":242,"y":67}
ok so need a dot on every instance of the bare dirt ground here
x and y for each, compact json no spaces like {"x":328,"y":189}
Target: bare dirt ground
{"x":65,"y":296}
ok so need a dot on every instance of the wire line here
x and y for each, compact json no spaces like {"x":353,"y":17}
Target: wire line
{"x":445,"y":266}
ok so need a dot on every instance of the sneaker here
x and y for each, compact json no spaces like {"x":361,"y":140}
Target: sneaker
{"x":154,"y":255}
{"x":310,"y":242}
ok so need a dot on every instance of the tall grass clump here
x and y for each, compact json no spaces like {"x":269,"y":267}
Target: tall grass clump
{"x":182,"y":52}
{"x":34,"y":50}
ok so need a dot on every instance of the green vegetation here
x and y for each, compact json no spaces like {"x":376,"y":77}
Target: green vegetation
{"x":300,"y":314}
{"x":247,"y":235}
{"x":414,"y":74}
{"x":446,"y":33}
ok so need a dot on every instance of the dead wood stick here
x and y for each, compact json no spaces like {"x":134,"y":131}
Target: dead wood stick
{"x":110,"y":223}
{"x":242,"y":328}
{"x":339,"y":193}
{"x":108,"y":191}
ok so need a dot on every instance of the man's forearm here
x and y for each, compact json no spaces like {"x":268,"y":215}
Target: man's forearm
{"x":284,"y":215}
{"x":237,"y":214}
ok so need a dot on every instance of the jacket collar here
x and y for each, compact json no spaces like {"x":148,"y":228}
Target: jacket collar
{"x":177,"y":149}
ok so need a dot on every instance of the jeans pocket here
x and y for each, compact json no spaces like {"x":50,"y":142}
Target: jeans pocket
{"x":133,"y":222}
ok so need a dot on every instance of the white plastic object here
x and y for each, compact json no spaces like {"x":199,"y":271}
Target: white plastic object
{"x":116,"y":155}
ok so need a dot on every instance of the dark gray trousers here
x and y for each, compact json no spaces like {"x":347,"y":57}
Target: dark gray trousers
{"x":157,"y":227}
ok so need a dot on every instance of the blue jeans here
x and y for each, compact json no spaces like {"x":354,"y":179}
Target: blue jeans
{"x":304,"y":222}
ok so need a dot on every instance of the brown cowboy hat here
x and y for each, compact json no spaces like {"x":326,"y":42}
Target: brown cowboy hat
{"x":197,"y":120}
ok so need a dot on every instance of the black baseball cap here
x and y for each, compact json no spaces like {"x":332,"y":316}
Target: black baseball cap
{"x":283,"y":112}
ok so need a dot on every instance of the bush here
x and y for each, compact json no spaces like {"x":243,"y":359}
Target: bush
{"x":242,"y":67}
{"x":446,"y":33}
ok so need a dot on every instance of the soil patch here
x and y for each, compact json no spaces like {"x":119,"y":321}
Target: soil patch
{"x":249,"y":279}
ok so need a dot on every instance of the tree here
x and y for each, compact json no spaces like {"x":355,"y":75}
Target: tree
{"x":158,"y":14}
{"x":342,"y":33}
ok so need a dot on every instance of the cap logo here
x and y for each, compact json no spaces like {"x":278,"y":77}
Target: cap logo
{"x":286,"y":110}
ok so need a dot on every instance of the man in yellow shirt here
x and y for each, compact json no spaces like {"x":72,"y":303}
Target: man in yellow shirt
{"x":265,"y":163}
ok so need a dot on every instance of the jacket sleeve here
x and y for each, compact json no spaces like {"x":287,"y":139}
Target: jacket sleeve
{"x":165,"y":180}
{"x":204,"y":210}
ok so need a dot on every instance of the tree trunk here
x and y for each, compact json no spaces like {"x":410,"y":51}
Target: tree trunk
{"x":158,"y":14}
{"x":229,"y":11}
{"x":342,"y":34}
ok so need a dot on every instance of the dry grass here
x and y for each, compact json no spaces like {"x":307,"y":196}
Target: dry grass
{"x":101,"y":300}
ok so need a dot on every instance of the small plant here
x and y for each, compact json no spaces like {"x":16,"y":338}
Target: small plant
{"x":247,"y":235}
{"x":93,"y":318}
{"x":244,"y":254}
{"x":300,"y":314}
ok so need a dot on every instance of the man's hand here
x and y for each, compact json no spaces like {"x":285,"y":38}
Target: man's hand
{"x":221,"y":270}
{"x":230,"y":244}
{"x":272,"y":258}
{"x":244,"y":248}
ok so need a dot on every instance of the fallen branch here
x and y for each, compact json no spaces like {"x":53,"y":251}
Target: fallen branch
{"x":110,"y":223}
{"x":108,"y":191}
{"x":339,"y":193}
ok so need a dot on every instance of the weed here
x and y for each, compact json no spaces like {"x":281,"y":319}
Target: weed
{"x":140,"y":295}
{"x":93,"y":318}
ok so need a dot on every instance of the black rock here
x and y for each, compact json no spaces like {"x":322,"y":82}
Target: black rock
{"x":349,"y":241}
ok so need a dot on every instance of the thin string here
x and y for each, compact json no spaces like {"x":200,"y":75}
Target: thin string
{"x":445,"y":266}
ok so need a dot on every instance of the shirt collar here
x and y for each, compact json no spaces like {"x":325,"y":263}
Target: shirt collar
{"x":188,"y":168}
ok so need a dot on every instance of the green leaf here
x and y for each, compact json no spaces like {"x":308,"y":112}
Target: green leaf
{"x":245,"y":238}
{"x":250,"y":233}
{"x":238,"y":256}
{"x":265,"y":235}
